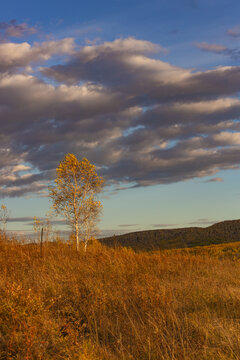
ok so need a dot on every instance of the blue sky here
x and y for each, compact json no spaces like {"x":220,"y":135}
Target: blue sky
{"x":76,"y":76}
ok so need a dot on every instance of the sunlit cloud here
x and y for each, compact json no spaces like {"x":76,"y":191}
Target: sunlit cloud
{"x":141,"y":120}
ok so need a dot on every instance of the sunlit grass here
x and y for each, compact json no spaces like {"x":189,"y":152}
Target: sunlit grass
{"x":118,"y":304}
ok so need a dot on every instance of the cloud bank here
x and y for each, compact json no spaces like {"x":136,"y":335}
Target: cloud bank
{"x":141,"y":120}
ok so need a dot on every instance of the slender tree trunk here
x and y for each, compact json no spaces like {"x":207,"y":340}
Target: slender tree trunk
{"x":77,"y":236}
{"x":86,"y":235}
{"x":75,"y":214}
{"x":41,"y":244}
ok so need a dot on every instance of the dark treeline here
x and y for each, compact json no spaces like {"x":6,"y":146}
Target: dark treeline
{"x":222,"y":232}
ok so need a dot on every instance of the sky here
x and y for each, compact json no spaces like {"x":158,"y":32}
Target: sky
{"x":147,"y":91}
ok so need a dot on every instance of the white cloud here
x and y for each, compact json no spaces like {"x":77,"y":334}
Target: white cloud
{"x":14,"y":55}
{"x":227,"y":138}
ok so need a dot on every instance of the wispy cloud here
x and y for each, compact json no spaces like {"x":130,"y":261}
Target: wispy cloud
{"x":21,"y":219}
{"x":234,"y":32}
{"x":15,"y":30}
{"x":210,"y":47}
{"x":234,"y":53}
{"x":164,"y":225}
{"x":29,"y":220}
{"x":215,"y":179}
{"x":203,"y":221}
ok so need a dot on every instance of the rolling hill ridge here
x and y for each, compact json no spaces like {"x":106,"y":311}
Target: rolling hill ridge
{"x":149,"y":240}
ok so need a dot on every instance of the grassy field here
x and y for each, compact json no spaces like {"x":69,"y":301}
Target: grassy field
{"x":117,"y":304}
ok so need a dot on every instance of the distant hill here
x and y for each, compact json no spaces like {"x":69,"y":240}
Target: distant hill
{"x":222,"y":232}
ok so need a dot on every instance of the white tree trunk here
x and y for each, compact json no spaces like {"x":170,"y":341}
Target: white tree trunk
{"x":77,"y":236}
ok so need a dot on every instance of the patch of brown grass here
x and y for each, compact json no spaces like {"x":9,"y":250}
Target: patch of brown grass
{"x":116,"y":304}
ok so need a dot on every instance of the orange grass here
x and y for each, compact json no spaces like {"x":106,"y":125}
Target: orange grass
{"x":117,"y":304}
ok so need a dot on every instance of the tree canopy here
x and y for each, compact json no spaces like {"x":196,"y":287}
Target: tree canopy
{"x":74,"y":194}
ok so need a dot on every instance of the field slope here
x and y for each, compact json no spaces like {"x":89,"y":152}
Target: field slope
{"x":222,"y":232}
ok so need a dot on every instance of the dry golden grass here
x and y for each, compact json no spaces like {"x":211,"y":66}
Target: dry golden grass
{"x":116,"y":304}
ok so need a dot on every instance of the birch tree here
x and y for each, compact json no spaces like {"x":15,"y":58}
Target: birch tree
{"x":4,"y":213}
{"x":74,"y":195}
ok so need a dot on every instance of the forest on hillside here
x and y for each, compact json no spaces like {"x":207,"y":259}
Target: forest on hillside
{"x":222,"y":232}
